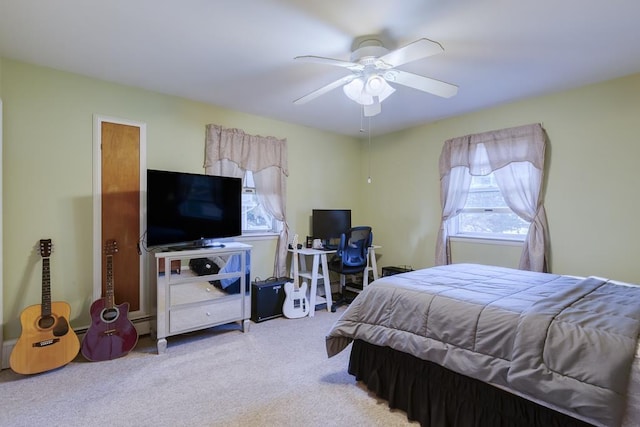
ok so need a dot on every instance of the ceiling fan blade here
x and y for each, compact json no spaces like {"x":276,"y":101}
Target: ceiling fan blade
{"x":419,"y":49}
{"x":330,"y":61}
{"x":324,"y":89}
{"x":425,"y":84}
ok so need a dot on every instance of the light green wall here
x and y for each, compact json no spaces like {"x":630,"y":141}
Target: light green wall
{"x":592,"y":190}
{"x":505,"y":254}
{"x":47,"y":171}
{"x":591,"y":196}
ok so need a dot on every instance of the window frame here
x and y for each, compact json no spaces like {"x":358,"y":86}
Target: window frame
{"x":248,"y":188}
{"x":455,"y":224}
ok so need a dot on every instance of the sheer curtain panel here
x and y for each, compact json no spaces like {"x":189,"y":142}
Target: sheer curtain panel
{"x":231,"y":152}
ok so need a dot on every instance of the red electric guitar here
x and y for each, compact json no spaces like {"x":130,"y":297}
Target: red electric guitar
{"x":111,"y":334}
{"x":46,"y":341}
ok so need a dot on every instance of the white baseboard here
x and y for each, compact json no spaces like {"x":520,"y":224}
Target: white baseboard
{"x":143,"y":326}
{"x":7,"y":346}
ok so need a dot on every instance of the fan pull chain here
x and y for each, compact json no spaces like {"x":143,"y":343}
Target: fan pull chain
{"x":369,"y":177}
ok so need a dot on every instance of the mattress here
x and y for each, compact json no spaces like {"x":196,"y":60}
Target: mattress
{"x":520,"y":331}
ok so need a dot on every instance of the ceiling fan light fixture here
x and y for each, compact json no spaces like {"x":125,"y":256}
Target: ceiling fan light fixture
{"x":372,"y":110}
{"x":363,"y":92}
{"x":375,"y":85}
{"x":355,"y":90}
{"x":378,"y":86}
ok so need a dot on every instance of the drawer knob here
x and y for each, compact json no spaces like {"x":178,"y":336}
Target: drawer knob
{"x":208,"y":314}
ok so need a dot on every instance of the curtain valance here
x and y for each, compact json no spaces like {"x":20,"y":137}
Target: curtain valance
{"x":250,"y":152}
{"x":518,"y":144}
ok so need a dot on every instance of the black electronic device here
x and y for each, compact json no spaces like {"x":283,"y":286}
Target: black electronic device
{"x":392,"y":270}
{"x":187,"y":209}
{"x":267,"y":298}
{"x":329,"y":224}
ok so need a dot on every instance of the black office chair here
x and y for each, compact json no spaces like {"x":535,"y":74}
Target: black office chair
{"x":350,"y":258}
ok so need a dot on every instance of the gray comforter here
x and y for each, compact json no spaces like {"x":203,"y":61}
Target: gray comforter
{"x":559,"y":339}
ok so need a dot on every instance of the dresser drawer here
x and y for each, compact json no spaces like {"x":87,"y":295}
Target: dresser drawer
{"x":186,"y":293}
{"x":216,"y":312}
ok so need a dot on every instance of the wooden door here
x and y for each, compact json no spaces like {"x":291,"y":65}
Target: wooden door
{"x":120,"y":201}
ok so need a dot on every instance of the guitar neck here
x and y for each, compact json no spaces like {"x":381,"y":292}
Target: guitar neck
{"x":46,"y":288}
{"x":296,"y":285}
{"x":294,"y":245}
{"x":109,"y":303}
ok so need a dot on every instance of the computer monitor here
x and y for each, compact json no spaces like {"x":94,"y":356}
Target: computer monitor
{"x":329,"y":224}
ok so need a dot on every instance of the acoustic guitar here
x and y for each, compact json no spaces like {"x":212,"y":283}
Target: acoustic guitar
{"x":111,"y":334}
{"x":46,"y":341}
{"x":295,"y":302}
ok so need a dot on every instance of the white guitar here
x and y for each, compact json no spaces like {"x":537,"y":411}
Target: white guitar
{"x":295,"y":302}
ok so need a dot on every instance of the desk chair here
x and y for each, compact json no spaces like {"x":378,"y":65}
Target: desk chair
{"x":351,"y":258}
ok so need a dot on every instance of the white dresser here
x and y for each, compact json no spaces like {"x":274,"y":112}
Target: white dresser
{"x":185,"y":301}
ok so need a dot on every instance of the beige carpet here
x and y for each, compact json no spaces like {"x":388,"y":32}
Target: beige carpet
{"x":277,"y":374}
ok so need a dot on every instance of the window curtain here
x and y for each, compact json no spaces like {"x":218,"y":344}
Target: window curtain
{"x":516,"y":158}
{"x":231,"y":152}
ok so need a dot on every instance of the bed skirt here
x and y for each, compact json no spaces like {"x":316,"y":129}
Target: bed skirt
{"x":435,"y":396}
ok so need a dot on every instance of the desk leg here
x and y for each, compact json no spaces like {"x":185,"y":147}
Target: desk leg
{"x":374,"y":264}
{"x":314,"y":286}
{"x":303,"y":262}
{"x":371,"y":266}
{"x":326,"y":282}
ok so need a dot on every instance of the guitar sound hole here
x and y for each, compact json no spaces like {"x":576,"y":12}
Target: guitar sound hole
{"x":61,"y":328}
{"x":46,"y":322}
{"x":110,"y":314}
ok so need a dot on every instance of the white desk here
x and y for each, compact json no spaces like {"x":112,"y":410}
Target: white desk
{"x":319,"y":270}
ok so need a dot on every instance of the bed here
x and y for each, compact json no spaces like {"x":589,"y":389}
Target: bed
{"x":468,"y":344}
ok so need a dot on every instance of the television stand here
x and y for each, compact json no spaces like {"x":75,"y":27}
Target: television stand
{"x":185,"y":302}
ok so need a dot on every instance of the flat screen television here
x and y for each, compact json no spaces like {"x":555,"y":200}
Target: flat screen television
{"x":329,"y":224}
{"x":192,"y":210}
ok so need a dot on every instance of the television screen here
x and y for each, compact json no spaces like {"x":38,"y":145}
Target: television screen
{"x":192,"y":209}
{"x":329,"y":224}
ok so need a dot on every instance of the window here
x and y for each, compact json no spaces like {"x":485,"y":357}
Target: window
{"x":486,"y":213}
{"x":255,"y":218}
{"x":515,"y":156}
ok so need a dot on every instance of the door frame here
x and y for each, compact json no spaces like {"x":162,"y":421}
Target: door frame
{"x":97,"y":209}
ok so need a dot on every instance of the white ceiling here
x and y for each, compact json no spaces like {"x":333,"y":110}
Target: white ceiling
{"x":239,"y":54}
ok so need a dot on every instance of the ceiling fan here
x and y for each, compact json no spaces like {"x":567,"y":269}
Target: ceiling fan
{"x":372,"y":66}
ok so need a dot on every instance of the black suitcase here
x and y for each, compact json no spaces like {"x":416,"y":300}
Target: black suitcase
{"x":267,"y":297}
